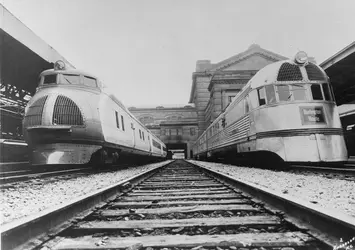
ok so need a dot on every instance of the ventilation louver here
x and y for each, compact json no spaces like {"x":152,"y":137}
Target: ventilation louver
{"x":33,"y":115}
{"x":66,"y":112}
{"x":289,"y":72}
{"x":314,"y":73}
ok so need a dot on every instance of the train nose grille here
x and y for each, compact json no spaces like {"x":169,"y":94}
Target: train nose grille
{"x":289,"y":72}
{"x":66,"y":112}
{"x":314,"y":73}
{"x":33,"y":116}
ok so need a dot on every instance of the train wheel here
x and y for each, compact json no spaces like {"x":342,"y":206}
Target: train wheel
{"x":115,"y":158}
{"x":98,"y":159}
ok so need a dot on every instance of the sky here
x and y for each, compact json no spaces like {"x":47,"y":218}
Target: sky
{"x":146,"y":50}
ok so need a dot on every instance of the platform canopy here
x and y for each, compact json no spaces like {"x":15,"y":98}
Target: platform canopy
{"x":23,"y":55}
{"x":341,"y":70}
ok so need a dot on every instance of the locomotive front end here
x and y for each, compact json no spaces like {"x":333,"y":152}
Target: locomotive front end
{"x":297,"y":117}
{"x":60,"y":123}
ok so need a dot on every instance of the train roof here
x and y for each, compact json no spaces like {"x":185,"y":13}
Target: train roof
{"x":68,"y":71}
{"x":285,"y":72}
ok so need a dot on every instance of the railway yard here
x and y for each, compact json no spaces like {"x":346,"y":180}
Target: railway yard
{"x":179,"y":205}
{"x":261,"y":157}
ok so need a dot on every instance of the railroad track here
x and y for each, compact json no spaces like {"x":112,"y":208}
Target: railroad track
{"x":341,"y":173}
{"x":7,"y":178}
{"x":181,"y":206}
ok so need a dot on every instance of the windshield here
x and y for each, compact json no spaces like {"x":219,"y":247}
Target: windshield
{"x":70,"y":79}
{"x":50,"y":79}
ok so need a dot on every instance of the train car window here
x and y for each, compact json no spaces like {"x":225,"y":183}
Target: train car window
{"x":298,"y":92}
{"x":71,"y":79}
{"x":284,"y":92}
{"x":122,"y":121}
{"x":326,"y":92}
{"x":117,"y":121}
{"x":261,"y":96}
{"x":143,"y":136}
{"x":140,"y":135}
{"x":50,"y":79}
{"x":89,"y":81}
{"x":270,"y":94}
{"x":316,"y":92}
{"x":246,"y":100}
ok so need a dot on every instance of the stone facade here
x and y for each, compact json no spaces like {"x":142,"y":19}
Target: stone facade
{"x":213,"y":88}
{"x":215,"y":85}
{"x":173,"y":125}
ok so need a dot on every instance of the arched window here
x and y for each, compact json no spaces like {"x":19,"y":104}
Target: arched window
{"x":146,"y":120}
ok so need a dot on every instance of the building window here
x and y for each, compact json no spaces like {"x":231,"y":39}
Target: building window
{"x":117,"y":121}
{"x":192,"y":131}
{"x":230,"y":98}
{"x":173,"y":131}
{"x":122,"y":122}
{"x":146,"y":120}
{"x":179,"y":131}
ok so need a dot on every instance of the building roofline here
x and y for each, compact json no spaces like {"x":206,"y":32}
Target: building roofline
{"x":338,"y":56}
{"x":20,"y":32}
{"x":253,"y":49}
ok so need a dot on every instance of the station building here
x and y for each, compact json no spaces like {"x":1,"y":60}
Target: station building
{"x":176,"y":126}
{"x":213,"y":87}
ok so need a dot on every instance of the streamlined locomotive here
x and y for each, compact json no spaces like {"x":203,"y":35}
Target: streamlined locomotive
{"x":74,"y":119}
{"x":286,"y":110}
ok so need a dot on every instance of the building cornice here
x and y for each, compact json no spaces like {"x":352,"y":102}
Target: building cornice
{"x":193,"y":86}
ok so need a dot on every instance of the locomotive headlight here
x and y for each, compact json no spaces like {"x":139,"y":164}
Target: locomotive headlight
{"x":59,"y":65}
{"x":301,"y":57}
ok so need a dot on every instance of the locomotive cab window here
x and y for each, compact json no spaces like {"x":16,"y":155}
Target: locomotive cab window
{"x":316,"y":92}
{"x":270,"y":94}
{"x":326,"y":92}
{"x":262,"y":96}
{"x":283,"y":92}
{"x":90,"y":82}
{"x":70,"y":79}
{"x":298,"y":92}
{"x":50,"y":79}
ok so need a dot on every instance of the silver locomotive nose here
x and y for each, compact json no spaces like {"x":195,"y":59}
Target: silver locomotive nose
{"x":66,"y":112}
{"x":43,"y":113}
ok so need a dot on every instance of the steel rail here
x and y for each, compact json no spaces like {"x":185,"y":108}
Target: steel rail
{"x":325,"y":225}
{"x":31,"y":231}
{"x":341,"y":170}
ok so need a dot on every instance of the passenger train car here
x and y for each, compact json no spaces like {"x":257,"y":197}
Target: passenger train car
{"x":287,"y":111}
{"x":74,"y":119}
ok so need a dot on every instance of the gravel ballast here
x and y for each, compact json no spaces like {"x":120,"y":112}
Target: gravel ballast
{"x":332,"y":194}
{"x":28,"y":198}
